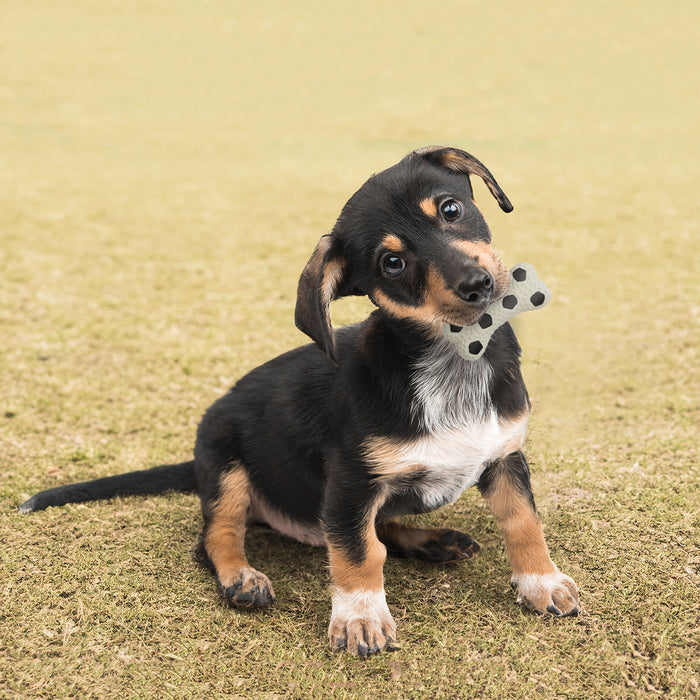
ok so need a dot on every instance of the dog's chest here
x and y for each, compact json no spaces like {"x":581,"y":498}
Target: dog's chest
{"x":437,"y":467}
{"x":462,"y":433}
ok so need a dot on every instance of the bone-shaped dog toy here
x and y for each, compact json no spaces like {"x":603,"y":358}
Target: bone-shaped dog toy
{"x":526,"y":293}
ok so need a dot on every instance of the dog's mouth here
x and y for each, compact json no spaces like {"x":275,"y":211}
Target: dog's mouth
{"x":458,"y":318}
{"x":463,"y":323}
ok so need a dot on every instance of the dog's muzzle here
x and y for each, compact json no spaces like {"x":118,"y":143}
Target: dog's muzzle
{"x":476,"y":286}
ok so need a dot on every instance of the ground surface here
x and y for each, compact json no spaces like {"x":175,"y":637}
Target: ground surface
{"x":166,"y":169}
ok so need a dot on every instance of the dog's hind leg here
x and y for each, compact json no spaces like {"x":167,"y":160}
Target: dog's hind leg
{"x":222,"y":545}
{"x":438,"y":545}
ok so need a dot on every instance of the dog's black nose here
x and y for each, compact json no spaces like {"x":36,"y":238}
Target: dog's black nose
{"x":476,"y":286}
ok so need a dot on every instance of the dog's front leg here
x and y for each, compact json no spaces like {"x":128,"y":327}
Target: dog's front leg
{"x":539,"y":584}
{"x":360,"y":619}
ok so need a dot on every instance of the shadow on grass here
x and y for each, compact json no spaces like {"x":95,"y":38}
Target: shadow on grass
{"x":300,"y":576}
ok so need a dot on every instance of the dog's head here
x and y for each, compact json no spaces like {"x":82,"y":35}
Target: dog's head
{"x":413,"y":240}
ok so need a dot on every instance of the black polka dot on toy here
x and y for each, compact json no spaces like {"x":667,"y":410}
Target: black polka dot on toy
{"x":519,"y":274}
{"x":510,"y":301}
{"x":486,"y":321}
{"x":537,"y":299}
{"x":475,"y":348}
{"x":455,"y":329}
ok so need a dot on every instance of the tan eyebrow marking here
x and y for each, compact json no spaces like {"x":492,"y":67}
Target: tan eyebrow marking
{"x":428,"y":207}
{"x":393,"y":243}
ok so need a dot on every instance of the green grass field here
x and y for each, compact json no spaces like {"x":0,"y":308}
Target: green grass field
{"x":166,"y":168}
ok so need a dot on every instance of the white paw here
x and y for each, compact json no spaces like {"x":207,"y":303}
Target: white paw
{"x":361,"y":622}
{"x":554,"y":593}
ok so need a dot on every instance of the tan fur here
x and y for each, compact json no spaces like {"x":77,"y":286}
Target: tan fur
{"x":368,"y":575}
{"x":440,"y":304}
{"x":224,"y":540}
{"x":407,"y":537}
{"x":438,"y":296}
{"x":425,"y":314}
{"x":518,"y":440}
{"x":454,"y":161}
{"x":383,"y":456}
{"x":428,"y":206}
{"x":332,"y":276}
{"x":393,"y":243}
{"x":484,"y":255}
{"x":387,"y":461}
{"x":313,"y":267}
{"x":522,"y":530}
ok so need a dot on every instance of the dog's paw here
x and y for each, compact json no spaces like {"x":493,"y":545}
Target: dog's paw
{"x":437,"y":545}
{"x":554,"y":593}
{"x":448,"y":546}
{"x":361,"y":623}
{"x":247,"y":588}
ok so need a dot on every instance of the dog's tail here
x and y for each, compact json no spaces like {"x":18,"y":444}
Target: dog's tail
{"x":169,"y":477}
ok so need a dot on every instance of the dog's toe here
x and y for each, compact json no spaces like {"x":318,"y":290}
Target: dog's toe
{"x":363,"y":637}
{"x":449,"y":545}
{"x":250,"y":589}
{"x":554,"y":593}
{"x":361,"y":624}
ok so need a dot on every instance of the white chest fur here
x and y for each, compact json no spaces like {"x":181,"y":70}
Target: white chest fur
{"x":450,"y":391}
{"x":463,"y":432}
{"x":440,"y":465}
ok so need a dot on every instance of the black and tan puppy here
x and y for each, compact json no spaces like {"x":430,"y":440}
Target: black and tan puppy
{"x":332,"y":442}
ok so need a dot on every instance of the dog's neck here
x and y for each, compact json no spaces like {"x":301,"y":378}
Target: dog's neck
{"x":444,"y":390}
{"x":409,"y":339}
{"x":448,"y":390}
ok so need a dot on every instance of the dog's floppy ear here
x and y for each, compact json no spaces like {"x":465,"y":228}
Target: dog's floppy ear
{"x":463,"y":162}
{"x":322,"y":281}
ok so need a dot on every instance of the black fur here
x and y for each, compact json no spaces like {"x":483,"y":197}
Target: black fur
{"x":515,"y":469}
{"x":169,"y":477}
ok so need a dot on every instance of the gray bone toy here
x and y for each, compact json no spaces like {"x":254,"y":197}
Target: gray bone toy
{"x":526,"y":293}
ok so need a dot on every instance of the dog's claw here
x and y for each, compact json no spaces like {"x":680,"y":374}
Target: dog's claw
{"x":361,"y":623}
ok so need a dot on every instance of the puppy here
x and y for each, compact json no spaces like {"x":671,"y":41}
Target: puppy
{"x":332,"y":442}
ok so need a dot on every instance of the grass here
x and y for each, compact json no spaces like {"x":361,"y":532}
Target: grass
{"x":167,"y":167}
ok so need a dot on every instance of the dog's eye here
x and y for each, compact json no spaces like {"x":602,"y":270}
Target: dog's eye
{"x":392,"y":265}
{"x":451,"y":210}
